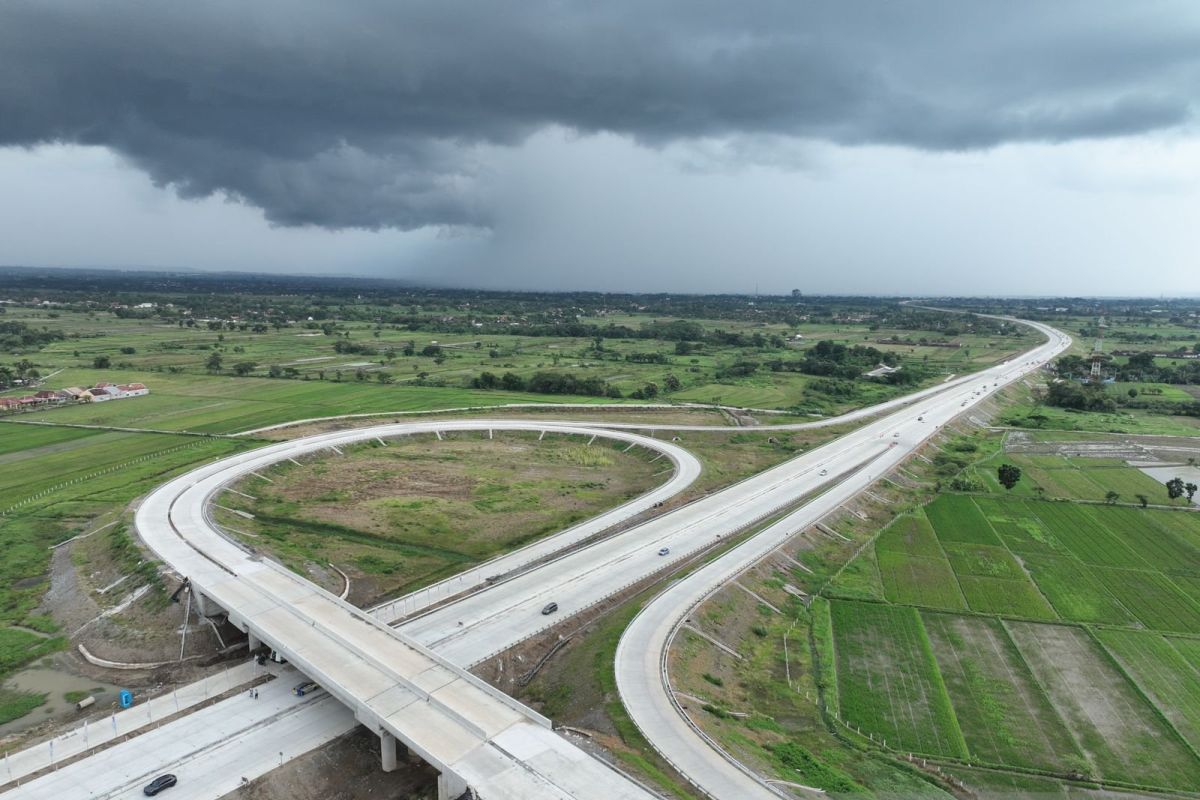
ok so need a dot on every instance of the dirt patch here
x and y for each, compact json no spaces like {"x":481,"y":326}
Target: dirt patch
{"x":345,"y":769}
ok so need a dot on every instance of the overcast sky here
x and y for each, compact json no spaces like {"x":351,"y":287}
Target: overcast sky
{"x":842,"y":146}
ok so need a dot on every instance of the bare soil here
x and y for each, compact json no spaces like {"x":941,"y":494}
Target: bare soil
{"x":345,"y":769}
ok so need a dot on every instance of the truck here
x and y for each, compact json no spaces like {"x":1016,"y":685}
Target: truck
{"x":308,"y":687}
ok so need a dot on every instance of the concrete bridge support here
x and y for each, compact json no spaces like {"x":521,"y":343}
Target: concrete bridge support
{"x":254,"y":641}
{"x":387,"y":751}
{"x":450,"y":786}
{"x":204,"y":606}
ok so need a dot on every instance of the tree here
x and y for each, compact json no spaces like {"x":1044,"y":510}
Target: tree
{"x":214,"y":362}
{"x":671,"y":383}
{"x":1145,"y":501}
{"x":1008,"y":475}
{"x":1175,"y":488}
{"x":1111,"y":497}
{"x":1191,"y":490}
{"x":101,"y":362}
{"x":243,"y":368}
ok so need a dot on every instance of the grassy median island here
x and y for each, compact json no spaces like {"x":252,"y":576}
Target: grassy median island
{"x":399,"y":516}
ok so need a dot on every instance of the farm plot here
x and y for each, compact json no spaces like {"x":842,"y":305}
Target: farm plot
{"x":86,"y":459}
{"x":888,"y":681}
{"x":1017,"y":598}
{"x":1079,"y":530}
{"x":1004,"y":715}
{"x":1021,"y":529}
{"x":1184,"y":525}
{"x":1157,"y":544}
{"x":913,"y":568}
{"x":919,"y":581}
{"x":1163,"y":675}
{"x":911,"y":535}
{"x":222,"y":404}
{"x":1074,"y":591}
{"x":1119,"y":732}
{"x":983,"y":561}
{"x":21,"y":441}
{"x":1151,"y":597}
{"x":1188,"y":648}
{"x":956,"y":518}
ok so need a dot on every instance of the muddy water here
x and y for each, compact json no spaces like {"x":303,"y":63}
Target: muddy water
{"x":54,"y":683}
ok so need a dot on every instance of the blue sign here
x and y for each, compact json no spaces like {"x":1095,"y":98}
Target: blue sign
{"x":126,"y":698}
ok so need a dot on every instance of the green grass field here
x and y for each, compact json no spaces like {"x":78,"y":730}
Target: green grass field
{"x":1004,"y":716}
{"x":206,"y":404}
{"x":1156,"y":601}
{"x":888,"y":681}
{"x":957,"y":519}
{"x":1163,"y":675}
{"x":1118,"y":731}
{"x":1074,"y":591}
{"x":913,"y":568}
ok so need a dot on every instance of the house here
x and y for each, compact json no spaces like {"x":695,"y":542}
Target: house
{"x":73,"y":392}
{"x":132,"y":390}
{"x":9,"y":403}
{"x":97,"y":394}
{"x":48,"y":395}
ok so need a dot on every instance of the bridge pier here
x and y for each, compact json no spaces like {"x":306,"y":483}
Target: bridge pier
{"x":450,"y":786}
{"x":254,"y":641}
{"x":387,"y":751}
{"x":201,"y":602}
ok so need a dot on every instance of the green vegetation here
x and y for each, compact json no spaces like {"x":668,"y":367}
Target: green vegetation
{"x":420,"y":509}
{"x":14,"y":705}
{"x":1163,"y":675}
{"x":888,"y":681}
{"x":914,"y":568}
{"x":1004,"y":716}
{"x":1121,"y":735}
{"x":1030,"y":695}
{"x":18,"y":648}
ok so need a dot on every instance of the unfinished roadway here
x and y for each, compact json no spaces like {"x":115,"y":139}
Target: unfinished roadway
{"x":408,"y":682}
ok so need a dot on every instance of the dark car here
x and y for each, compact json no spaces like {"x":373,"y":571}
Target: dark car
{"x":550,"y":608}
{"x":158,"y":784}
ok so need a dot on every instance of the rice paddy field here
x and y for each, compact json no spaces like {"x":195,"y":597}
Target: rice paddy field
{"x":324,"y":380}
{"x":1064,"y":637}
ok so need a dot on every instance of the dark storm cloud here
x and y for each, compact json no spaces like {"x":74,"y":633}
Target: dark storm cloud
{"x":386,"y":114}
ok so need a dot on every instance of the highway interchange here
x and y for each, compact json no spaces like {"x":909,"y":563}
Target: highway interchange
{"x":401,"y":667}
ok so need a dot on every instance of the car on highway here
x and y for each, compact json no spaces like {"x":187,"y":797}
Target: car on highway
{"x":662,"y":551}
{"x":896,"y":435}
{"x":158,"y":784}
{"x":824,"y":472}
{"x":549,"y":608}
{"x":307,"y":687}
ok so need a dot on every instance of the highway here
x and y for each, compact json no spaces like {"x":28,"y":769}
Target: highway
{"x":505,"y":750}
{"x":643,"y":679}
